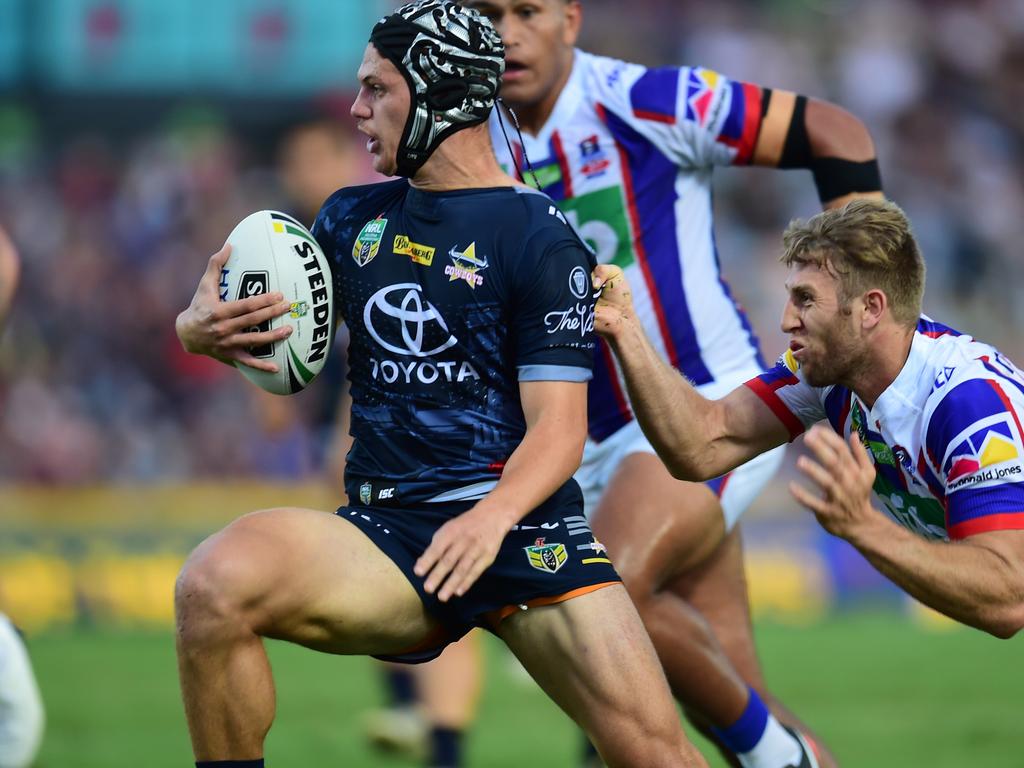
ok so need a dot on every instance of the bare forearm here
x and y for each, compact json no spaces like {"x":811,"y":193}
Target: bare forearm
{"x":672,"y":414}
{"x":972,"y":584}
{"x":548,"y":456}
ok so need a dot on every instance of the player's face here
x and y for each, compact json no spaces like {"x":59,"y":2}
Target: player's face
{"x":823,"y":336}
{"x":381,"y":109}
{"x":539,"y":36}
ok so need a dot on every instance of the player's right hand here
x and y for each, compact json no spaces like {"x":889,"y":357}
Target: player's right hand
{"x":614,"y":309}
{"x":223,"y":330}
{"x":461,"y":550}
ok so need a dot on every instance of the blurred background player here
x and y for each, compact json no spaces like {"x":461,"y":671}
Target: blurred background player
{"x":926,"y":416}
{"x":21,"y":706}
{"x":629,"y":153}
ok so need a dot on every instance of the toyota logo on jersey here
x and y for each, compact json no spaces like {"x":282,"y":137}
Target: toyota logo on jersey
{"x":401,"y":320}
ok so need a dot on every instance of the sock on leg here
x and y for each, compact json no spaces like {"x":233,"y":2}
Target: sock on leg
{"x":445,"y":747}
{"x":758,"y":740}
{"x":401,"y":688}
{"x":229,"y":763}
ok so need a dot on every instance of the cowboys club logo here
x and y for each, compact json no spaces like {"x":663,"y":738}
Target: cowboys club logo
{"x":401,"y":320}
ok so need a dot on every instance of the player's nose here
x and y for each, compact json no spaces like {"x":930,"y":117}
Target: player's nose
{"x":790,"y":317}
{"x":360,"y":110}
{"x":508,"y":31}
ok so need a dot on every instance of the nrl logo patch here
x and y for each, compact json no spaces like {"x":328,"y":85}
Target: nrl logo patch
{"x":546,"y":557}
{"x":368,"y":242}
{"x":365,"y":493}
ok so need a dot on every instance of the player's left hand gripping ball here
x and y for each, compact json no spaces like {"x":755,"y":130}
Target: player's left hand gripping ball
{"x":272,"y":252}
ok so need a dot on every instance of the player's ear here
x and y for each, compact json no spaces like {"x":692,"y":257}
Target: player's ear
{"x":573,"y":11}
{"x":875,"y":305}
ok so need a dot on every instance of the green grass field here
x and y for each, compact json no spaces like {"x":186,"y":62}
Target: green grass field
{"x":882,"y":691}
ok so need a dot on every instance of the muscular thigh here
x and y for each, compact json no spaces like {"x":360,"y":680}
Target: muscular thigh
{"x":593,"y":657}
{"x":313,"y":578}
{"x":654,"y":526}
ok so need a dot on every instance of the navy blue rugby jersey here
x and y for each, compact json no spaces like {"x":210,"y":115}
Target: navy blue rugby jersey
{"x":451,"y":299}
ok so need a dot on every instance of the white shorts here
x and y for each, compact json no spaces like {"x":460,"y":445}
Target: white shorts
{"x":735,"y":490}
{"x":21,"y":707}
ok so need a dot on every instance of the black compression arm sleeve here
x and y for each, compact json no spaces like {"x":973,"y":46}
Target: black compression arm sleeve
{"x":796,"y":152}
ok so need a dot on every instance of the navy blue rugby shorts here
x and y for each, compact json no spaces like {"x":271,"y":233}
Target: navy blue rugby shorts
{"x":549,"y":557}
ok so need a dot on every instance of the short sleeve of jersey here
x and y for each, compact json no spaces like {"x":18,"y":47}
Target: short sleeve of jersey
{"x":554,"y":308}
{"x":322,"y":225}
{"x":974,"y":442}
{"x":794,"y":402}
{"x":331,"y":221}
{"x":695,"y":116}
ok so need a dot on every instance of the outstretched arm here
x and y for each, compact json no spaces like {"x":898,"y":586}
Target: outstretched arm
{"x":9,"y":269}
{"x":978,"y":581}
{"x":836,"y":146}
{"x":551,"y":450}
{"x":696,"y":438}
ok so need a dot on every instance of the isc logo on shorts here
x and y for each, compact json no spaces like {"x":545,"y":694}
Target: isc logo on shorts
{"x":367,"y":496}
{"x":546,"y":557}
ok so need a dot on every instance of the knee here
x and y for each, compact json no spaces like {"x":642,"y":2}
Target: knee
{"x":639,"y":577}
{"x":216,"y":592}
{"x":632,"y":563}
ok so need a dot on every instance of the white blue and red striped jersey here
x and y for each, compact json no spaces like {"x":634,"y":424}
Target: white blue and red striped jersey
{"x":628,"y":153}
{"x":945,"y":436}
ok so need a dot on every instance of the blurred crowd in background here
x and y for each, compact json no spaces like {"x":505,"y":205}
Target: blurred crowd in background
{"x":115,"y":212}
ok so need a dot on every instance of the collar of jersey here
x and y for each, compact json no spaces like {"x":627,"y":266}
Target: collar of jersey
{"x":904,"y":394}
{"x":427,"y":203}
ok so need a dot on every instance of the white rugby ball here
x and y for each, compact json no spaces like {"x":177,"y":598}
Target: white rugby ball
{"x":271,"y":251}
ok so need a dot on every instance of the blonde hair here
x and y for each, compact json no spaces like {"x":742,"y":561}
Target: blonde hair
{"x":866,"y":244}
